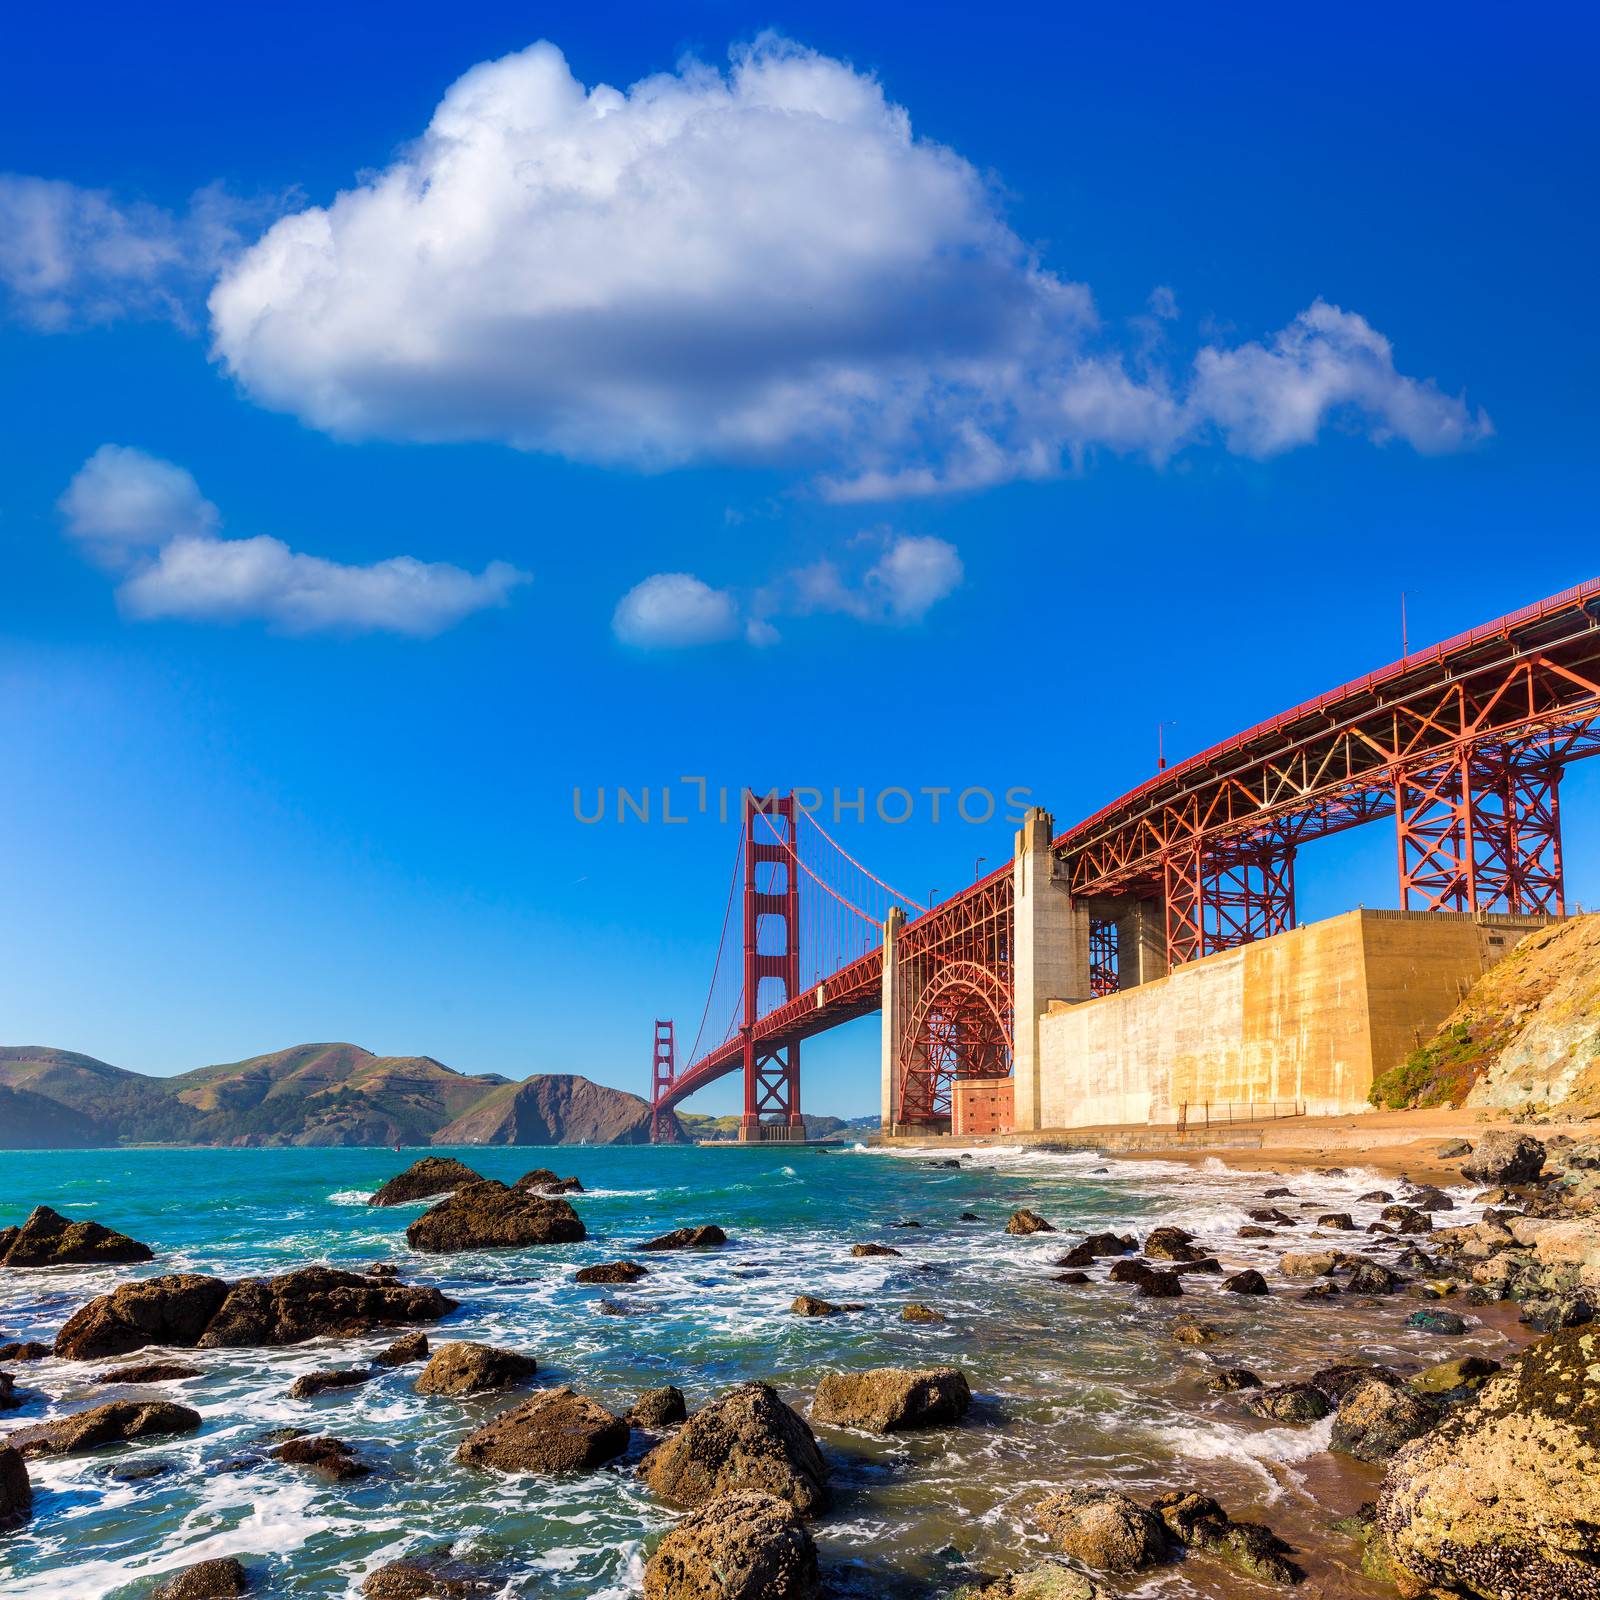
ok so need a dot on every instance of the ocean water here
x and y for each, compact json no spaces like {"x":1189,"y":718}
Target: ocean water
{"x":1072,"y":1385}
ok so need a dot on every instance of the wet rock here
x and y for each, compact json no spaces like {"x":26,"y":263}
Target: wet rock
{"x":611,"y":1272}
{"x":1024,"y":1222}
{"x":1502,"y":1499}
{"x":381,"y":1269}
{"x":745,"y":1545}
{"x":169,"y":1310}
{"x":1279,"y":1193}
{"x":1289,"y":1402}
{"x":412,"y":1347}
{"x":315,"y":1302}
{"x":1548,"y":1313}
{"x":1080,"y":1255}
{"x":1376,"y":1418}
{"x":309,"y":1384}
{"x":1452,"y":1379}
{"x":1247,"y":1282}
{"x":1320,"y":1290}
{"x":1172,"y":1244}
{"x":543,"y":1181}
{"x":1372,"y":1277}
{"x":9,"y":1399}
{"x":968,"y":1216}
{"x":1188,"y":1331}
{"x":916,"y":1312}
{"x":1453,"y":1150}
{"x":489,"y":1216}
{"x":16,"y":1492}
{"x":423,"y":1179}
{"x":149,"y":1372}
{"x":1376,"y":1197}
{"x":1253,"y":1232}
{"x":556,"y":1430}
{"x":1071,"y":1277}
{"x":324,"y":1455}
{"x":1504,"y":1157}
{"x":1037,"y":1583}
{"x":1103,"y":1529}
{"x":1407,"y":1219}
{"x":872,"y":1250}
{"x":1338,"y":1380}
{"x":1337,"y":1221}
{"x":1208,"y":1264}
{"x":1413,"y":1259}
{"x":48,"y":1239}
{"x":1229,"y":1380}
{"x":1199,"y":1522}
{"x":658,"y":1408}
{"x":1308,"y":1263}
{"x":462,"y":1367}
{"x":906,"y":1222}
{"x":745,"y":1439}
{"x":24,"y":1350}
{"x":434,"y":1576}
{"x":892,"y":1399}
{"x":1437,"y":1322}
{"x":1271,"y":1214}
{"x":116,"y":1422}
{"x":708,"y":1235}
{"x":1428,"y":1198}
{"x":1109,"y":1244}
{"x":1149,"y":1282}
{"x":808,"y":1305}
{"x":208,"y":1580}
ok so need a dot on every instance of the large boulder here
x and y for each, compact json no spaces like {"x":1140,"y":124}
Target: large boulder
{"x":659,"y":1408}
{"x":1504,"y":1156}
{"x":425,"y":1178}
{"x":744,"y":1545}
{"x":1025,"y":1222}
{"x":1198,"y":1521}
{"x":1289,"y":1402}
{"x":116,"y":1422}
{"x":315,"y":1302}
{"x":1049,"y":1582}
{"x":1502,"y":1499}
{"x":170,"y":1310}
{"x":222,"y":1579}
{"x":489,"y":1216}
{"x":48,"y":1239}
{"x":611,"y":1272}
{"x":543,"y":1181}
{"x":745,"y":1439}
{"x":556,"y":1430}
{"x":703,"y":1237}
{"x":16,"y":1492}
{"x":310,"y":1384}
{"x":149,"y":1372}
{"x":892,"y":1399}
{"x":409,"y":1347}
{"x":1375,"y":1418}
{"x":463,"y":1367}
{"x":432,"y":1576}
{"x":328,"y":1457}
{"x":1103,"y":1528}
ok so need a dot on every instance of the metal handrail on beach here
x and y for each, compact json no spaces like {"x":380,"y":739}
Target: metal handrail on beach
{"x":1208,"y":1112}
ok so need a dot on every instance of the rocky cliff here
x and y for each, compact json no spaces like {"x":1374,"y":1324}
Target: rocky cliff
{"x":555,"y":1108}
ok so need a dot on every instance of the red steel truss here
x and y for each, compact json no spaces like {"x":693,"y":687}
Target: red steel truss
{"x":771,"y":1065}
{"x":1102,"y":955}
{"x":662,"y":1068}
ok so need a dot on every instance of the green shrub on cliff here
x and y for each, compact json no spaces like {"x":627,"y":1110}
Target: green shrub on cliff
{"x":1440,"y":1073}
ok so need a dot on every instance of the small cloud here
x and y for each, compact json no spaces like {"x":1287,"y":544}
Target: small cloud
{"x":146,"y":519}
{"x":1163,"y":302}
{"x":913,"y":575}
{"x":673,"y":609}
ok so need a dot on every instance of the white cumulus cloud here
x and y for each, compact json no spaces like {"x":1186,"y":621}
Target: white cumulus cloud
{"x":672,"y":609}
{"x":764,"y":263}
{"x":146,"y":519}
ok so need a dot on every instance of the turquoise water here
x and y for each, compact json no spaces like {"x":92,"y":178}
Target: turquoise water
{"x":1073,"y":1384}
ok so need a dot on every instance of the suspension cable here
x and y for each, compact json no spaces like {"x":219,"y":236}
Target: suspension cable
{"x":888,"y":889}
{"x":722,"y":940}
{"x":795,"y":856}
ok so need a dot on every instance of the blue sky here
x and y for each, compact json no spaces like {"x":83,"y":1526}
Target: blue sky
{"x":985,"y":390}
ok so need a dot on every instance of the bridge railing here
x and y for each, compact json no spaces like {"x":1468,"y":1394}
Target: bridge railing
{"x":1212,"y":1113}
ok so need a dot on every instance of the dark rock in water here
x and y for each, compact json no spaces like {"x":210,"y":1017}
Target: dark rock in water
{"x":1251,"y":1231}
{"x":413,"y":1347}
{"x":1247,"y":1282}
{"x":1071,"y":1277}
{"x":658,"y":1408}
{"x":324,"y":1455}
{"x":1338,"y":1380}
{"x":1320,"y":1290}
{"x":1172,"y":1244}
{"x":745,"y":1439}
{"x":381,"y":1269}
{"x":1227,"y":1380}
{"x":611,"y":1308}
{"x":1375,"y":1197}
{"x":314,"y":1302}
{"x":916,"y":1312}
{"x":1024,"y":1221}
{"x":906,"y":1222}
{"x":1429,"y":1198}
{"x":1052,"y":1581}
{"x":739,"y":1546}
{"x":9,"y":1399}
{"x":16,"y":1492}
{"x":1504,"y":1157}
{"x":1415,"y":1259}
{"x":48,"y":1239}
{"x":25,"y":1350}
{"x":1437,"y":1322}
{"x":611,"y":1272}
{"x":1080,"y":1255}
{"x":946,"y":1162}
{"x":1106,"y":1244}
{"x":1376,"y":1418}
{"x":423,"y":1179}
{"x":209,"y":1580}
{"x":968,"y":1216}
{"x":1187,"y":1330}
{"x":1160,"y":1286}
{"x":1103,"y":1529}
{"x":705,"y":1236}
{"x":1372,"y":1277}
{"x":434,"y":1576}
{"x":139,"y":1471}
{"x":1339,"y":1221}
{"x":463,"y":1367}
{"x":1198,"y":1521}
{"x":1278,"y":1219}
{"x":1407,"y":1219}
{"x":808,"y":1305}
{"x":154,"y":1311}
{"x":1276,"y":1194}
{"x":489,"y":1216}
{"x":543,"y":1181}
{"x":150,"y":1372}
{"x":116,"y":1422}
{"x":556,"y":1430}
{"x":1289,"y":1402}
{"x":1548,"y":1313}
{"x":310,"y":1384}
{"x":892,"y":1399}
{"x":872,"y":1250}
{"x":1502,"y":1498}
